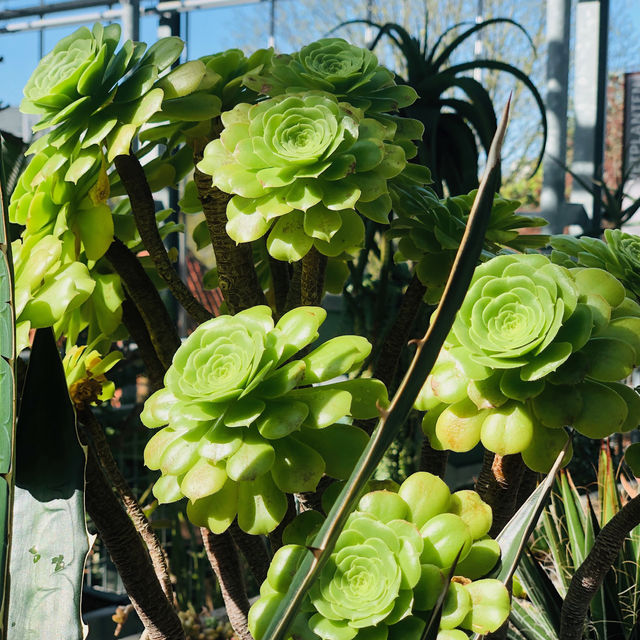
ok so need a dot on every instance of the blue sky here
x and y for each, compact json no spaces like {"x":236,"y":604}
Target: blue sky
{"x":208,"y":31}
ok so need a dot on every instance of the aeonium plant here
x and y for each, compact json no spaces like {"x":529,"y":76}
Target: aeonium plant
{"x":619,"y":254}
{"x":390,"y":565}
{"x":245,"y":426}
{"x":301,"y":168}
{"x":429,"y":230}
{"x":535,"y":347}
{"x":332,"y":64}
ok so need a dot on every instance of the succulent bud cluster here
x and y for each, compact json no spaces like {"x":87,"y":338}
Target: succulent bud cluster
{"x":429,"y":231}
{"x":84,"y":369}
{"x":390,"y":565}
{"x":245,"y":426}
{"x":535,"y":347}
{"x":619,"y":254}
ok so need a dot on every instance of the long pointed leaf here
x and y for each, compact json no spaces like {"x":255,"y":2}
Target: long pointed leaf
{"x":7,"y":388}
{"x":441,"y":38}
{"x":540,"y":590}
{"x":575,"y":519}
{"x":607,"y":486}
{"x":394,"y":417}
{"x":433,"y":626}
{"x":513,"y":538}
{"x":49,"y":537}
{"x":450,"y":48}
{"x":497,"y":65}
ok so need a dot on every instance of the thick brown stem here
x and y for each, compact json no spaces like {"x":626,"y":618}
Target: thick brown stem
{"x":144,"y":213}
{"x":498,"y":486}
{"x":141,"y":290}
{"x":275,"y":537}
{"x":254,"y":551}
{"x":432,"y":460}
{"x":223,"y":558}
{"x":592,"y":572}
{"x":103,"y":452}
{"x":294,"y":293}
{"x":527,"y":486}
{"x":398,"y":335}
{"x":236,"y":271}
{"x":137,"y":329}
{"x":280,"y":283}
{"x":130,"y":556}
{"x":314,"y":266}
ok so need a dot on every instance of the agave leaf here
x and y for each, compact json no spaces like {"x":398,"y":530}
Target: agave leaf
{"x":49,"y":542}
{"x":606,"y":616}
{"x":529,"y":623}
{"x":394,"y":417}
{"x":513,"y":538}
{"x":608,"y":495}
{"x":553,"y":534}
{"x":575,"y":518}
{"x":7,"y":381}
{"x":541,"y":592}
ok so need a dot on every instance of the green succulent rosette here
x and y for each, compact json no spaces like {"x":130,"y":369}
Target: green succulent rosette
{"x":244,"y":427}
{"x":64,"y":190}
{"x":49,"y":284}
{"x":86,"y":88}
{"x":535,"y":347}
{"x":197,"y":91}
{"x":302,"y":167}
{"x":350,"y":73}
{"x":429,"y":230}
{"x":619,"y":254}
{"x":389,"y":567}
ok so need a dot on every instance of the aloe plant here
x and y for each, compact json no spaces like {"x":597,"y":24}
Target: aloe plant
{"x":452,"y":124}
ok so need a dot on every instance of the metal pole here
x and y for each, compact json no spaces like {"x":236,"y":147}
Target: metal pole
{"x":552,"y":196}
{"x":592,"y":22}
{"x":478,"y":44}
{"x":368,"y":30}
{"x":272,"y":24}
{"x":131,"y":20}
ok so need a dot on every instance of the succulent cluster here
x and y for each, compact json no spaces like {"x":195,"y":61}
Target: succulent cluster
{"x":535,"y":347}
{"x":301,"y":168}
{"x":245,"y":426}
{"x":203,"y":626}
{"x":92,"y":98}
{"x":350,"y":73}
{"x":390,"y":565}
{"x":429,"y":231}
{"x":619,"y":254}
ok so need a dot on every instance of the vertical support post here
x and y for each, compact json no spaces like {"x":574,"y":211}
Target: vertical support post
{"x":131,"y":20}
{"x":592,"y":23}
{"x":272,"y":24}
{"x":478,"y":45}
{"x":552,"y":196}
